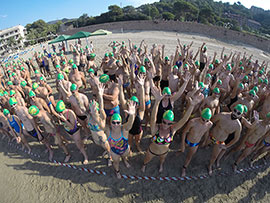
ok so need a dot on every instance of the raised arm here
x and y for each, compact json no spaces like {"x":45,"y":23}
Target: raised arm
{"x":179,"y":93}
{"x":131,"y":112}
{"x":123,"y":101}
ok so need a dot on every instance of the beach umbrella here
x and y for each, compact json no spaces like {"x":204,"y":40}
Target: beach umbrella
{"x":59,"y":39}
{"x":79,"y":35}
{"x":100,"y":32}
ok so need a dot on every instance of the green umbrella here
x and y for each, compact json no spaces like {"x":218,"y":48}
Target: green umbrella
{"x":100,"y":32}
{"x":79,"y":35}
{"x":59,"y":39}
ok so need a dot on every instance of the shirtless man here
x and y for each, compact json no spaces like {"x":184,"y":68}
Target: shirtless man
{"x":77,"y":77}
{"x":64,"y":88}
{"x":47,"y":121}
{"x":38,"y":101}
{"x":174,"y":80}
{"x":76,"y":55}
{"x":45,"y":92}
{"x":91,"y":63}
{"x":203,"y":56}
{"x":196,"y":129}
{"x":225,"y":124}
{"x":250,"y":139}
{"x":212,"y":102}
{"x":166,"y":70}
{"x":83,"y":61}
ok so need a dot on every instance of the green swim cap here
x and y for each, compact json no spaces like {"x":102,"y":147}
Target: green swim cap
{"x":111,"y":54}
{"x":116,"y":117}
{"x":206,"y":114}
{"x":205,"y":47}
{"x":175,"y":67}
{"x":168,"y":115}
{"x":216,"y":90}
{"x":211,"y":66}
{"x":74,"y":66}
{"x":32,"y":93}
{"x":12,"y":92}
{"x":13,"y":74}
{"x":73,"y":87}
{"x":167,"y":91}
{"x":70,"y":61}
{"x":41,"y":78}
{"x":10,"y":83}
{"x":252,"y":92}
{"x":197,"y":63}
{"x":104,"y":78}
{"x":12,"y":101}
{"x":6,"y":112}
{"x":201,"y":84}
{"x":246,"y":77}
{"x":22,"y":68}
{"x":60,"y":76}
{"x":135,"y":99}
{"x":91,"y":70}
{"x":35,"y":86}
{"x":241,"y":86}
{"x":33,"y":110}
{"x":245,"y":109}
{"x":64,"y":63}
{"x":208,"y":75}
{"x":261,"y":72}
{"x":142,"y":69}
{"x":186,"y":66}
{"x":268,"y":115}
{"x":229,"y":67}
{"x":240,"y":63}
{"x":219,"y":82}
{"x":106,"y":55}
{"x":167,"y":58}
{"x":265,"y":81}
{"x":240,"y":108}
{"x":114,"y":47}
{"x":57,"y":66}
{"x":216,"y":61}
{"x":37,"y":72}
{"x":146,"y":60}
{"x":60,"y":106}
{"x":5,"y":93}
{"x":23,"y":83}
{"x":92,"y":55}
{"x":256,"y":89}
{"x":242,"y":68}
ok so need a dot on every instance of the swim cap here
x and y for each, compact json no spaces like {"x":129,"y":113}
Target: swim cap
{"x":6,"y":112}
{"x":57,"y":66}
{"x":135,"y":99}
{"x":167,"y":91}
{"x":104,"y":78}
{"x":256,"y":89}
{"x":33,"y":110}
{"x":241,"y":86}
{"x":41,"y":78}
{"x":245,"y":109}
{"x":242,"y":68}
{"x":91,"y":70}
{"x":70,"y":61}
{"x":92,"y":55}
{"x":186,"y":66}
{"x":261,"y":72}
{"x":114,"y":47}
{"x":216,"y":90}
{"x":142,"y":69}
{"x":211,"y":66}
{"x":22,"y":68}
{"x":10,"y":83}
{"x":167,"y":58}
{"x":5,"y":93}
{"x":60,"y":76}
{"x":240,"y":63}
{"x":205,"y":47}
{"x":197,"y":63}
{"x":64,"y":63}
{"x":268,"y":115}
{"x":73,"y":87}
{"x":23,"y":83}
{"x":106,"y":55}
{"x":252,"y":92}
{"x":219,"y":82}
{"x":60,"y":106}
{"x":206,"y":114}
{"x":168,"y":115}
{"x":175,"y":67}
{"x":146,"y":60}
{"x":265,"y":81}
{"x":260,"y":80}
{"x":114,"y":42}
{"x":240,"y":108}
{"x":135,"y":47}
{"x":229,"y":68}
{"x":32,"y":93}
{"x":208,"y":75}
{"x":246,"y":77}
{"x":216,"y":61}
{"x":116,"y":117}
{"x":111,"y":54}
{"x":12,"y":101}
{"x":35,"y":86}
{"x":74,"y":66}
{"x":201,"y":84}
{"x":12,"y":92}
{"x":37,"y":72}
{"x":86,"y":47}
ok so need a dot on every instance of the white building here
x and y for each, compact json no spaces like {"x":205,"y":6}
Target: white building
{"x":17,"y":33}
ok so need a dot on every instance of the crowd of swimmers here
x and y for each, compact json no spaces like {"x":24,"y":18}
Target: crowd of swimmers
{"x":222,"y":101}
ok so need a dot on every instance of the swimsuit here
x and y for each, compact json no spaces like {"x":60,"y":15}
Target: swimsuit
{"x":34,"y":134}
{"x":206,"y":92}
{"x":163,"y":84}
{"x":148,"y":102}
{"x":126,"y":85}
{"x":15,"y":125}
{"x":110,"y":112}
{"x":82,"y":117}
{"x":248,"y":145}
{"x":202,"y":65}
{"x":94,"y":128}
{"x":191,"y":144}
{"x":267,"y":144}
{"x":161,"y":111}
{"x":215,"y":141}
{"x":120,"y":145}
{"x":72,"y":131}
{"x":161,"y":140}
{"x":136,"y":127}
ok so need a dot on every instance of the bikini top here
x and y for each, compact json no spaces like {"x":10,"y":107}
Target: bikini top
{"x":162,"y":140}
{"x":94,"y":128}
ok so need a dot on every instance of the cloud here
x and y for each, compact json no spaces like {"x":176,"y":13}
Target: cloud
{"x":140,"y":2}
{"x":3,"y":16}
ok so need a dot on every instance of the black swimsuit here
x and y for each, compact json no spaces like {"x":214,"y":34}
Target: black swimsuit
{"x":136,"y":127}
{"x":161,"y":111}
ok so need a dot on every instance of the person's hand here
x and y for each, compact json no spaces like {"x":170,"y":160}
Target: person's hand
{"x":141,"y":79}
{"x":196,"y":99}
{"x":256,"y":115}
{"x":187,"y":76}
{"x":131,"y":108}
{"x":196,"y":87}
{"x":157,"y":93}
{"x":101,"y":88}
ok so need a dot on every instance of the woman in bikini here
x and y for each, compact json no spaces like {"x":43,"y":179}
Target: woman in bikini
{"x":118,"y":137}
{"x":71,"y":127}
{"x":163,"y":133}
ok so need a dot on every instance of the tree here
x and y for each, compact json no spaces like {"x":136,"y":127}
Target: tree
{"x":154,"y":13}
{"x":168,"y":16}
{"x":186,"y":10}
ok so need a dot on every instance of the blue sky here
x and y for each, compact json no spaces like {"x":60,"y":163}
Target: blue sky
{"x":14,"y":12}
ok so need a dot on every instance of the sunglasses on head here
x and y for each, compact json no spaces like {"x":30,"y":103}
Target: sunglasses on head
{"x":204,"y":120}
{"x":237,"y":112}
{"x":116,"y":122}
{"x":164,"y":122}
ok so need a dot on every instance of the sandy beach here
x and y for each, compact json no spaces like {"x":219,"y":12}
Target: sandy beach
{"x":26,"y":178}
